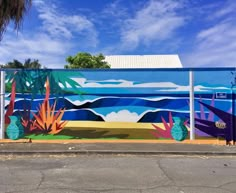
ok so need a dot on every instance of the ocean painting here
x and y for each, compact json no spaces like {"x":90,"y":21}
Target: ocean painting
{"x":114,"y":104}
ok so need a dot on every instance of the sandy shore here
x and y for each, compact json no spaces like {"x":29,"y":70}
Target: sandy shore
{"x":111,"y":125}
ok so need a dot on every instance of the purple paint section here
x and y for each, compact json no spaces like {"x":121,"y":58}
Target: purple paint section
{"x":202,"y":111}
{"x":211,"y":114}
{"x":201,"y":133}
{"x":209,"y":126}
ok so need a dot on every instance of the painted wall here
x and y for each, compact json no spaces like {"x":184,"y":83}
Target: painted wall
{"x":216,"y":104}
{"x":118,"y":104}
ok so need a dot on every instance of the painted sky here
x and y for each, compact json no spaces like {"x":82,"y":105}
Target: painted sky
{"x":202,"y":32}
{"x":153,"y":81}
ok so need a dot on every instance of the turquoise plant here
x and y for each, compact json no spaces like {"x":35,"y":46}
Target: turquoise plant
{"x":15,"y":130}
{"x":179,"y":131}
{"x":165,"y":133}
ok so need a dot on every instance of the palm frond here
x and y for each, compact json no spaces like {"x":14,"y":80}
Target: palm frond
{"x":12,"y":10}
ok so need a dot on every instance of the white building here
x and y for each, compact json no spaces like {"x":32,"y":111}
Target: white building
{"x":144,"y":61}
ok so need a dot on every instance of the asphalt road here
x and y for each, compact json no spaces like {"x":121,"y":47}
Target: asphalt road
{"x":117,"y":174}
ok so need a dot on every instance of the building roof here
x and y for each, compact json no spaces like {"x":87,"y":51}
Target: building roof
{"x":144,"y":61}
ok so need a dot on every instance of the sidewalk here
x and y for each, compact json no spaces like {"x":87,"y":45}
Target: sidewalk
{"x":104,"y":147}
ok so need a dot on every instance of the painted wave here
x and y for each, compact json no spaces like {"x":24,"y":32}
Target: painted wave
{"x":156,"y":116}
{"x":130,"y":109}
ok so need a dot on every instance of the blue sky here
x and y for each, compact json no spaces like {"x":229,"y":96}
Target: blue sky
{"x":202,"y":32}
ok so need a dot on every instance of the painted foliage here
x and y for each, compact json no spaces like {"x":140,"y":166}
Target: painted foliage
{"x":109,"y":104}
{"x":215,"y":117}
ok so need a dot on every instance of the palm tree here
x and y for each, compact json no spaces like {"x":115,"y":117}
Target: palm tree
{"x":33,"y":80}
{"x":13,"y":64}
{"x":32,"y":64}
{"x":27,"y":64}
{"x":22,"y":77}
{"x":12,"y":10}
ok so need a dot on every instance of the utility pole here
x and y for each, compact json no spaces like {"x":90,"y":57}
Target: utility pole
{"x":191,"y":96}
{"x":2,"y":103}
{"x":233,"y":129}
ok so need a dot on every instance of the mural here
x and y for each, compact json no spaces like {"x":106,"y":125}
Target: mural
{"x":117,"y":104}
{"x":216,"y":117}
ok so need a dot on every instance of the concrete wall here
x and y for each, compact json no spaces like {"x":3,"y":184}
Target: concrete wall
{"x":119,"y":104}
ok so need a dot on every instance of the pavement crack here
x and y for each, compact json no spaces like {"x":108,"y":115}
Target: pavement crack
{"x":227,"y":183}
{"x":164,"y":172}
{"x":41,"y":180}
{"x":204,"y":186}
{"x":167,"y":175}
{"x":226,"y":190}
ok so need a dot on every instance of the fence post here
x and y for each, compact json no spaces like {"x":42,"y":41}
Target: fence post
{"x":2,"y":104}
{"x":191,"y":96}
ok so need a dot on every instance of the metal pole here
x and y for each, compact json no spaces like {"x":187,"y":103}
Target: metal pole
{"x":2,"y":104}
{"x":191,"y":96}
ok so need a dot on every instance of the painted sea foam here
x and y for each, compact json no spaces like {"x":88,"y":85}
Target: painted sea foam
{"x":143,"y":108}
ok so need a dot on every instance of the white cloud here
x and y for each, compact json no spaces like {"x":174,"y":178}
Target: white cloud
{"x":116,"y":11}
{"x":204,"y":88}
{"x":196,"y":88}
{"x":215,"y":45}
{"x":160,"y":86}
{"x":58,"y":24}
{"x":123,"y":83}
{"x":157,"y":21}
{"x":50,"y":52}
{"x":228,"y":8}
{"x":50,"y":41}
{"x":122,"y":116}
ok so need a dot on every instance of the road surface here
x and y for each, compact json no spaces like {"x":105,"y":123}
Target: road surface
{"x":117,"y":174}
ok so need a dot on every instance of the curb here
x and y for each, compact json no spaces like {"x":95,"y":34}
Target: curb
{"x":120,"y":141}
{"x":107,"y":152}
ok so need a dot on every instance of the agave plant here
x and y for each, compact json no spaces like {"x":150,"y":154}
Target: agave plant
{"x":206,"y":126}
{"x":48,"y":121}
{"x":211,"y":128}
{"x":165,"y":133}
{"x":203,"y":113}
{"x":33,"y":81}
{"x":161,"y":133}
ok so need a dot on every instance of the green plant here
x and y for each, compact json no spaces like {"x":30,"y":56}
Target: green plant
{"x":48,"y":137}
{"x":86,"y":60}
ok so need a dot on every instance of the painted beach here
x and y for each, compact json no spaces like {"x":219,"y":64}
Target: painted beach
{"x":138,"y":104}
{"x":118,"y":117}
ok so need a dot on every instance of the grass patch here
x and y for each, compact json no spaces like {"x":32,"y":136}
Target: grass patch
{"x":49,"y":136}
{"x":108,"y":138}
{"x":107,"y":133}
